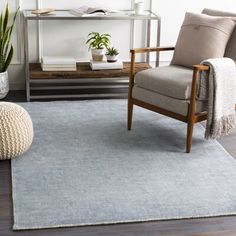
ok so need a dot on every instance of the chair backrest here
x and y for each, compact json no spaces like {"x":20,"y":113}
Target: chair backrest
{"x":231,"y":46}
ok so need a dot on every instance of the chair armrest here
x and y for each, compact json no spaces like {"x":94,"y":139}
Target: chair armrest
{"x":201,"y":68}
{"x":156,"y":49}
{"x":192,"y":106}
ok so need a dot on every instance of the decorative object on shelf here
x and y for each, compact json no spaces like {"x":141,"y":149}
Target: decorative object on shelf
{"x":139,"y":8}
{"x":49,"y":63}
{"x":92,"y":11}
{"x":7,"y":50}
{"x":16,"y":130}
{"x":98,"y":43}
{"x":112,"y":54}
{"x":43,"y":11}
{"x":104,"y":65}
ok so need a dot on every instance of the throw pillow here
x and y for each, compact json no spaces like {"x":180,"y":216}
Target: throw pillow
{"x":231,"y":46}
{"x":202,"y":37}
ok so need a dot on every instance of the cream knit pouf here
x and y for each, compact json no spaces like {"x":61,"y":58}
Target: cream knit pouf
{"x":16,"y":130}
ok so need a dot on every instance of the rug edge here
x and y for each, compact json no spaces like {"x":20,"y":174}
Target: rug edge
{"x":18,"y":228}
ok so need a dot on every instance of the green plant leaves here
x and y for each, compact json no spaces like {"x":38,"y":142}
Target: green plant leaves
{"x":9,"y":58}
{"x":6,"y":18}
{"x":112,"y":51}
{"x":6,"y":55}
{"x":98,"y":41}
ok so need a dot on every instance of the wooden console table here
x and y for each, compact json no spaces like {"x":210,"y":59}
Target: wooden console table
{"x":83,"y":82}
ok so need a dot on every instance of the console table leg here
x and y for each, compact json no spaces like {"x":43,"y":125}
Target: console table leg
{"x":148,"y":39}
{"x":158,"y":41}
{"x":26,"y":41}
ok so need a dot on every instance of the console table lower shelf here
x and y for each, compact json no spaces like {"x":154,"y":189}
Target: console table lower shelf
{"x":81,"y":84}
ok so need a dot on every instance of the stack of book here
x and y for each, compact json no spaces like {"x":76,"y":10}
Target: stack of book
{"x":58,"y":64}
{"x":104,"y":65}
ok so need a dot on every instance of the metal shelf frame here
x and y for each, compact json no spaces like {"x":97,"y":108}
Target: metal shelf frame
{"x":126,"y":15}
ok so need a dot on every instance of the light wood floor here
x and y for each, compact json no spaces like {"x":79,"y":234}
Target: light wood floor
{"x":218,"y":226}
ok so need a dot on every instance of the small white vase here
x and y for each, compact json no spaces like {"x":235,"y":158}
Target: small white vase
{"x":98,"y":54}
{"x":139,"y":8}
{"x":4,"y":84}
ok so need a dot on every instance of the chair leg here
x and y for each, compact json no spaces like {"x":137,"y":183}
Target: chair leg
{"x":189,"y":136}
{"x":130,"y":114}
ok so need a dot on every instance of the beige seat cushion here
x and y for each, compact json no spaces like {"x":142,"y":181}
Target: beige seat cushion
{"x":202,"y":37}
{"x":171,"y":81}
{"x":231,"y":46}
{"x":171,"y":104}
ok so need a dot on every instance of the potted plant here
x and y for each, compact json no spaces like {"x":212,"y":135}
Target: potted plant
{"x":6,"y":49}
{"x":112,"y":54}
{"x":98,"y":43}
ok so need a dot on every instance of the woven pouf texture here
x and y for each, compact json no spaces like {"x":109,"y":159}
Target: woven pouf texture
{"x":16,"y":130}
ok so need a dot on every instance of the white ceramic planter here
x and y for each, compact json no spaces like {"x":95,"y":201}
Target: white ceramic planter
{"x":112,"y":58}
{"x":98,"y":54}
{"x":4,"y":84}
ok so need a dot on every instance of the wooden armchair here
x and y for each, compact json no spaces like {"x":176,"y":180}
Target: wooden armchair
{"x":192,"y":116}
{"x":186,"y":108}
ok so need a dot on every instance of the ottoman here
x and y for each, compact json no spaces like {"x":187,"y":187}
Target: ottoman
{"x":16,"y":130}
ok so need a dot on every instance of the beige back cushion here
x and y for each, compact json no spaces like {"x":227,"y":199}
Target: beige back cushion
{"x":202,"y":37}
{"x":231,"y":46}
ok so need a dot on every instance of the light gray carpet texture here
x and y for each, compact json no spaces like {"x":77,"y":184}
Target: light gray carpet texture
{"x":85,"y":168}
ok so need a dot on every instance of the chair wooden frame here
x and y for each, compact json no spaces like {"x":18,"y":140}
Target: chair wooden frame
{"x":191,"y":118}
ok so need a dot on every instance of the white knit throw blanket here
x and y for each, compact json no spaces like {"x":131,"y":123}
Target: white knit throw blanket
{"x":220,"y":89}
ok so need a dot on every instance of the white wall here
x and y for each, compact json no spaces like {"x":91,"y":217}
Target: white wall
{"x":62,"y":38}
{"x":172,"y":13}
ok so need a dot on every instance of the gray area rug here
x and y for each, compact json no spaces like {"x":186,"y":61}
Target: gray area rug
{"x":85,"y":168}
